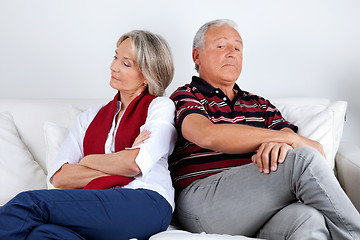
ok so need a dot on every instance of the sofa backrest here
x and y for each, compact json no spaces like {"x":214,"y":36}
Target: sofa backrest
{"x":31,"y":114}
{"x":317,"y":118}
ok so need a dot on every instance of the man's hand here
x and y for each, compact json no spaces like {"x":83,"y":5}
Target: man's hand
{"x":269,"y":155}
{"x":303,"y":141}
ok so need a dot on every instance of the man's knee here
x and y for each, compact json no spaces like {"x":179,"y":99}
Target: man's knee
{"x":308,"y":215}
{"x":305,"y":155}
{"x":308,"y":222}
{"x":295,"y":221}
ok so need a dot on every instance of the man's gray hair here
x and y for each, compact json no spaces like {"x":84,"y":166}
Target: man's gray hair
{"x":199,"y":39}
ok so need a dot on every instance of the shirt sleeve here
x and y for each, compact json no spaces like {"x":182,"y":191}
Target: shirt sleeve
{"x":274,"y":118}
{"x":160,"y":144}
{"x":186,"y":103}
{"x":71,"y":150}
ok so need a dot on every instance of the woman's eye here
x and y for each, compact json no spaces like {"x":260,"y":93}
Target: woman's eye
{"x":237,"y":49}
{"x":126,"y":64}
{"x":115,"y":57}
{"x":220,"y":46}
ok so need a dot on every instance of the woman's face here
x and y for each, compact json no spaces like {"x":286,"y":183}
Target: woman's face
{"x":125,"y":73}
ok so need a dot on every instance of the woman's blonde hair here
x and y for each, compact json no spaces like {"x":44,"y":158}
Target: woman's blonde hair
{"x":153,"y":57}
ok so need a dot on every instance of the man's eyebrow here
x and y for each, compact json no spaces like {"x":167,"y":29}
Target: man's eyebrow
{"x":220,"y":38}
{"x":240,"y":41}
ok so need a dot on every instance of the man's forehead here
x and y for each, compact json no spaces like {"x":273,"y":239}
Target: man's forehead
{"x":225,"y":32}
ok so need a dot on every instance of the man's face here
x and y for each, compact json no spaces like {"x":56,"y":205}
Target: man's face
{"x":220,"y":61}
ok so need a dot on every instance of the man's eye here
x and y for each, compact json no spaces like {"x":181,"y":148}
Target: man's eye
{"x":115,"y":57}
{"x":220,"y":46}
{"x":237,"y":49}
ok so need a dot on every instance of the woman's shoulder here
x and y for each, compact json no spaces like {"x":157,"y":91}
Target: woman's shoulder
{"x":162,"y":102}
{"x":161,"y":107}
{"x":86,"y":117}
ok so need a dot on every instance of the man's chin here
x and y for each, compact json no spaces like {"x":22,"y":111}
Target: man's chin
{"x":230,"y":74}
{"x":231,"y":78}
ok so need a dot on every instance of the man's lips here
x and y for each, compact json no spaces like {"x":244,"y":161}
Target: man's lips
{"x":229,"y":65}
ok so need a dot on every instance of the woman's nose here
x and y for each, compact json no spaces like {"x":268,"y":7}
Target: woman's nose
{"x":114,"y":66}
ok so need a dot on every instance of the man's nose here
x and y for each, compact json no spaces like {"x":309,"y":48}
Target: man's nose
{"x":231,"y":52}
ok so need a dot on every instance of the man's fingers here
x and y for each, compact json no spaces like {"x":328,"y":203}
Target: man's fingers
{"x":274,"y":157}
{"x":283,"y":151}
{"x":265,"y":158}
{"x":269,"y":155}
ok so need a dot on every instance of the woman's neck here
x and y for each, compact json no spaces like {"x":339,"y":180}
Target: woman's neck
{"x":127,"y":97}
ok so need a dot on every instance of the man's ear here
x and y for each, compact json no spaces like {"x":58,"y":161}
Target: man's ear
{"x":195,"y":56}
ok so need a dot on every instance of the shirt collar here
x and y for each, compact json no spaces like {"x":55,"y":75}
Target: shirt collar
{"x":206,"y":87}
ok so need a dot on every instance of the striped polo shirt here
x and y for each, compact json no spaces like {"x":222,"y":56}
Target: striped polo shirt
{"x":190,"y":162}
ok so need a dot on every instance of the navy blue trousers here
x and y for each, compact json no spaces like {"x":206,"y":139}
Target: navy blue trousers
{"x":84,"y":214}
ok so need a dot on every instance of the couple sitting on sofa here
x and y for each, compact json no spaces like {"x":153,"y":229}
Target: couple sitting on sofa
{"x":118,"y":155}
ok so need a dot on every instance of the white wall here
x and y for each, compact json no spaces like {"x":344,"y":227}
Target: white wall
{"x":63,"y":48}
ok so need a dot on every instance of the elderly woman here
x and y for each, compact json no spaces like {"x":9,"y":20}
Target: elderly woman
{"x":112,"y":168}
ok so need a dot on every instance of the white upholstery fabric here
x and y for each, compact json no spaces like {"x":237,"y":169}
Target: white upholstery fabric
{"x":318,"y":120}
{"x":43,"y":123}
{"x":182,"y":235}
{"x":348,"y":171}
{"x":30,"y":114}
{"x":54,"y":136}
{"x":18,"y":170}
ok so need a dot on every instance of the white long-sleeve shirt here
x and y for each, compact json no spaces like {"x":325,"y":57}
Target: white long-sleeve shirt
{"x":153,"y":154}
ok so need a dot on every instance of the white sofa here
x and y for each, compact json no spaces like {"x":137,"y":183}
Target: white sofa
{"x":31,"y":131}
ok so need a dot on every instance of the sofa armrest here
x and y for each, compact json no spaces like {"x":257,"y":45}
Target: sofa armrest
{"x":347,"y":163}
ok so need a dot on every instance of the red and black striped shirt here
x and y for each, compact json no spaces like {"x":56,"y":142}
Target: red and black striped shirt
{"x":190,"y":162}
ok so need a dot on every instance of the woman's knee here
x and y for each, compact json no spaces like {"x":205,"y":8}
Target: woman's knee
{"x":51,"y":231}
{"x":23,"y":197}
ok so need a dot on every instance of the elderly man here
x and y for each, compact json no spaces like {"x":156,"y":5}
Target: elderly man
{"x":287,"y":194}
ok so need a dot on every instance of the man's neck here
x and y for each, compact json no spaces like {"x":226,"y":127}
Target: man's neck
{"x":227,"y":88}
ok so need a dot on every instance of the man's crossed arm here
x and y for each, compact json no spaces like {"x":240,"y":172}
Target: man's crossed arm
{"x":270,"y":146}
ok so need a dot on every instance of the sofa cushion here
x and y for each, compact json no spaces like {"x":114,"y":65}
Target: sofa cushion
{"x":317,"y":119}
{"x":181,"y":235}
{"x":30,"y":114}
{"x":18,"y":170}
{"x":54,"y":136}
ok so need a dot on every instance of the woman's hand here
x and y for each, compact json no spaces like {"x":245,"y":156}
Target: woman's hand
{"x":141,"y":138}
{"x":269,"y":155}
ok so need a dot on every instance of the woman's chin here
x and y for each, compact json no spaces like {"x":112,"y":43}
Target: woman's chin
{"x":114,"y":85}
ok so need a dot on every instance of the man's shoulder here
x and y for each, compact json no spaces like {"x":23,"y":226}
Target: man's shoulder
{"x":185,"y":90}
{"x":248,"y":96}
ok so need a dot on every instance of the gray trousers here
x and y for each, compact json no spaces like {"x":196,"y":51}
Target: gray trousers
{"x":301,"y":200}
